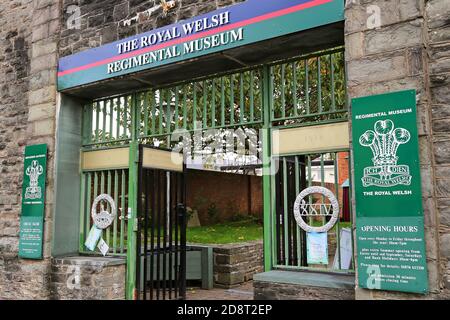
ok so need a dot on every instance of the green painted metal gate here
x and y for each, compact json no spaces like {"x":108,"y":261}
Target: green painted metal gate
{"x":161,"y":235}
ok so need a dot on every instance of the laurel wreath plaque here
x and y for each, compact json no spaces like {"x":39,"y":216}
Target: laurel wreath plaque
{"x":103,"y":219}
{"x":304,"y":209}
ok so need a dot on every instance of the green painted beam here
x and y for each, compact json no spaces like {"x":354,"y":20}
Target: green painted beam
{"x":132,"y":204}
{"x":267,"y":174}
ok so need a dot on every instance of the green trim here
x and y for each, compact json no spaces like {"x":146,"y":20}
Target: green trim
{"x":132,"y":206}
{"x":82,"y":210}
{"x":266,"y":137}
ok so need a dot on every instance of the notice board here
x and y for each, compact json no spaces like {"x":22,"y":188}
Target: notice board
{"x":33,"y":202}
{"x":389,"y":215}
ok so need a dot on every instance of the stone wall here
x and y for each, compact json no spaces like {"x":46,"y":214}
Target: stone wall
{"x":437,"y":13}
{"x":284,"y":291}
{"x":88,"y":278}
{"x":409,"y":49}
{"x":104,"y":21}
{"x":28,"y":45}
{"x":237,"y":263}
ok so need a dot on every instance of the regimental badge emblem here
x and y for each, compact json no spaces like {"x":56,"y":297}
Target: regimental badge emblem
{"x":33,"y":171}
{"x":303,"y":210}
{"x":384,"y":142}
{"x":103,"y":219}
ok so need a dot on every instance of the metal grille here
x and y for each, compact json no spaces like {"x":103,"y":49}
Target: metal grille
{"x":108,"y":122}
{"x":114,"y":183}
{"x":219,"y":102}
{"x":295,"y":174}
{"x":300,"y":91}
{"x":161,"y":240}
{"x":308,"y":89}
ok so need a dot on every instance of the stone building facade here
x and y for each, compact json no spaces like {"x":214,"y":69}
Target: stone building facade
{"x":406,"y":47}
{"x":28,"y":102}
{"x":410,"y":49}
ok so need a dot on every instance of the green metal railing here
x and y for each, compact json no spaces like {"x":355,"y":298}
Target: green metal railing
{"x":220,"y":102}
{"x":308,"y":89}
{"x":114,"y":183}
{"x":304,"y":90}
{"x":107,"y":122}
{"x":296,"y":173}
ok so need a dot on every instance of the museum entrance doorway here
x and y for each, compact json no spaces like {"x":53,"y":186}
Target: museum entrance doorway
{"x":251,"y":119}
{"x":161,"y":226}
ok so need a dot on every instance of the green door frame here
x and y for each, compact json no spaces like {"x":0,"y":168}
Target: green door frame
{"x":267,"y":166}
{"x":132,"y":202}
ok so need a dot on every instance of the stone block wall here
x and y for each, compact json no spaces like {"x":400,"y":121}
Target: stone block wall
{"x":237,"y":263}
{"x":284,"y":291}
{"x":88,"y":278}
{"x":404,"y":44}
{"x":437,"y":19}
{"x":104,"y":21}
{"x":28,"y":60}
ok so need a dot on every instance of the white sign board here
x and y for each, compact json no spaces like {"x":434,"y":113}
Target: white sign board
{"x":317,"y":248}
{"x":103,"y":247}
{"x":346,"y":249}
{"x":93,"y":237}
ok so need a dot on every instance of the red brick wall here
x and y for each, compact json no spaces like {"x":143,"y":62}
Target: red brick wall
{"x":343,"y":167}
{"x":231,"y":194}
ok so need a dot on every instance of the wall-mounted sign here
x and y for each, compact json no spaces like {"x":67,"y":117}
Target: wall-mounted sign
{"x":245,"y":23}
{"x":33,"y":202}
{"x":303,"y":209}
{"x":389,"y":214}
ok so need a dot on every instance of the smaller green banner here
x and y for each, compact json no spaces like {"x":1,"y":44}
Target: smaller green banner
{"x":33,"y":202}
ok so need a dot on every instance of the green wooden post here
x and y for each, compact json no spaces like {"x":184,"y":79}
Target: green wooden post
{"x":266,"y":172}
{"x":132,"y":205}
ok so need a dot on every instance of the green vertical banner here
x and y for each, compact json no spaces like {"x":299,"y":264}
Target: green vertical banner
{"x":33,"y":202}
{"x":389,"y":214}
